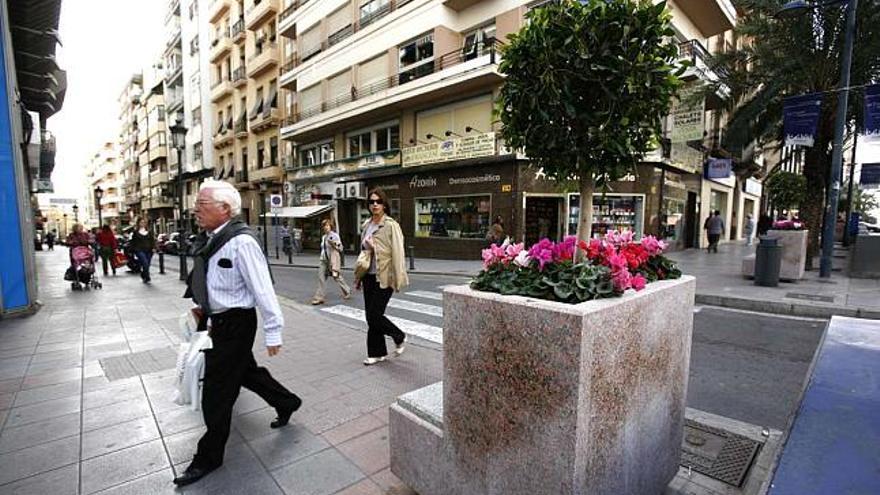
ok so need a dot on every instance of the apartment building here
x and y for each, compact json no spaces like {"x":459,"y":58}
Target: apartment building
{"x":156,"y":186}
{"x":129,"y":100}
{"x":244,"y":54}
{"x":105,"y":171}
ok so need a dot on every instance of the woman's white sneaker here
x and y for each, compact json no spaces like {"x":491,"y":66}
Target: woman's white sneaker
{"x":370,"y":361}
{"x":400,"y":348}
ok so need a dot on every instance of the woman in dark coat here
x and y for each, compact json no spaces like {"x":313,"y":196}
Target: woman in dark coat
{"x":143,"y":244}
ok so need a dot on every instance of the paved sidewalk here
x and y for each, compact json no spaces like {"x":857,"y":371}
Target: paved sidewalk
{"x":68,"y":427}
{"x":720,"y":283}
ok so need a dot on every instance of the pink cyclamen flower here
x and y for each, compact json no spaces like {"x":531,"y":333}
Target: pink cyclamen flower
{"x":522,"y":259}
{"x":488,"y":258}
{"x":638,"y":282}
{"x":621,"y":279}
{"x":513,"y":250}
{"x":618,"y":262}
{"x":498,"y":253}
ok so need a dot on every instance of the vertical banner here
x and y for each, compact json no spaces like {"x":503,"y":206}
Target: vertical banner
{"x":800,"y":118}
{"x":688,"y":113}
{"x":872,"y":114}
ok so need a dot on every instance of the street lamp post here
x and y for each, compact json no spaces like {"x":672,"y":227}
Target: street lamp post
{"x":797,"y":8}
{"x":64,"y":235}
{"x":263,"y":187}
{"x":99,"y":193}
{"x":178,"y":138}
{"x":75,"y":213}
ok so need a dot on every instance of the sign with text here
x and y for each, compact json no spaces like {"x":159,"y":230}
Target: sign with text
{"x":451,"y":149}
{"x":688,"y":113}
{"x":869,"y":175}
{"x":800,"y":118}
{"x":718,"y":168}
{"x":872,"y":114}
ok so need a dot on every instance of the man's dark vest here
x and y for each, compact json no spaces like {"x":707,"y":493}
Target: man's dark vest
{"x":197,"y":281}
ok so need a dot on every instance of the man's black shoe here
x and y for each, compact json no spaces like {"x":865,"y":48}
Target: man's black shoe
{"x":284,"y":414}
{"x":192,"y":474}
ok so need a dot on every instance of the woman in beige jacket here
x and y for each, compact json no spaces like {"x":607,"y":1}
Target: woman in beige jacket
{"x":382,"y":245}
{"x":330,"y":262}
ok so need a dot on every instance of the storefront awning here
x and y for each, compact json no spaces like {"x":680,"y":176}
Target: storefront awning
{"x":299,"y":211}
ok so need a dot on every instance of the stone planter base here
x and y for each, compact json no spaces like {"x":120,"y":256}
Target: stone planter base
{"x":794,"y":255}
{"x":544,"y":397}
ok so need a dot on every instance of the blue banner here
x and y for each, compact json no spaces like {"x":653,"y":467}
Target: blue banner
{"x":872,"y":114}
{"x":800,"y":118}
{"x":718,"y":168}
{"x":869,"y":175}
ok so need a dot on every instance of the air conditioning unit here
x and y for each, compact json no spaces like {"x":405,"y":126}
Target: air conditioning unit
{"x":355,"y":190}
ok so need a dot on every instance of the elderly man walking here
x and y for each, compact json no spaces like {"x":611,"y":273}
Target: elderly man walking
{"x":229,"y":278}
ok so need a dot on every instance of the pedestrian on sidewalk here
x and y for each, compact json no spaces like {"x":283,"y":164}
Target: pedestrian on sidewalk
{"x":749,"y":229}
{"x":230,"y":277}
{"x":286,"y":244}
{"x":496,"y":231}
{"x":380,"y":270}
{"x":330,"y":262}
{"x":50,"y":240}
{"x":714,"y":229}
{"x":143,"y":244}
{"x":765,"y":223}
{"x":107,"y":246}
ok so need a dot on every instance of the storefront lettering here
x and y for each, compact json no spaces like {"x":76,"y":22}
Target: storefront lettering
{"x":416,"y":182}
{"x":451,"y":149}
{"x":474,"y":180}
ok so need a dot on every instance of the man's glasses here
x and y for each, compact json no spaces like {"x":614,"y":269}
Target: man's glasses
{"x":374,"y":202}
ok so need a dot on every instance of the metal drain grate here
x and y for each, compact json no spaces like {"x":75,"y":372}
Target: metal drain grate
{"x":138,"y":363}
{"x":717,"y":453}
{"x":810,"y":297}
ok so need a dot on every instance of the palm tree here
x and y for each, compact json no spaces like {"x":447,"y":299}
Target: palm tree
{"x":789,"y":57}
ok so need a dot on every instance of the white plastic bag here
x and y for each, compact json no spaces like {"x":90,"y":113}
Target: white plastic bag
{"x":188,"y":325}
{"x":191,"y":371}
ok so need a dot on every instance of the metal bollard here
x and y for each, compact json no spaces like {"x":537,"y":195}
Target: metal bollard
{"x":289,"y":256}
{"x":768,"y":257}
{"x":412,"y":257}
{"x":161,"y":263}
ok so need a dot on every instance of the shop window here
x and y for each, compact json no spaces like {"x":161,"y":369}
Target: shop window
{"x":454,"y":217}
{"x":417,"y":58}
{"x":622,"y":212}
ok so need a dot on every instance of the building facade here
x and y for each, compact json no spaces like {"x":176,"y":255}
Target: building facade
{"x":105,"y":171}
{"x":399,"y":95}
{"x":129,"y":101}
{"x":157,"y":189}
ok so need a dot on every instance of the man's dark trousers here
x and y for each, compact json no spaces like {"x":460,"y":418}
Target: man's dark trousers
{"x":230,"y":365}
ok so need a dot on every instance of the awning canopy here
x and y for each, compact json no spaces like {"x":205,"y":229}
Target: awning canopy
{"x":299,"y":211}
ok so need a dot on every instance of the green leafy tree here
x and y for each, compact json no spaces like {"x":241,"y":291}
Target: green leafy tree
{"x":790,"y":57}
{"x":862,"y":201}
{"x":786,"y":190}
{"x":587,"y":83}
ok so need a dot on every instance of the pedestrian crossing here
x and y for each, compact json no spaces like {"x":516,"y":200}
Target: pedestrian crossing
{"x":415,"y":317}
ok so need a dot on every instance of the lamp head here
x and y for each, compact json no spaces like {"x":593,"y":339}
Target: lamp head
{"x":793,"y":9}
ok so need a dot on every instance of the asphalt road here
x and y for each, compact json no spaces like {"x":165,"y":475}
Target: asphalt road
{"x":747,"y":366}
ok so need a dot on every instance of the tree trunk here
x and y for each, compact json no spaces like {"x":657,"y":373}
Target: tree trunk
{"x":585,"y":219}
{"x":812,"y":211}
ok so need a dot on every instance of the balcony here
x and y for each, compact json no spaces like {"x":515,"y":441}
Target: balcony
{"x":263,"y":61}
{"x":286,"y":25}
{"x":217,"y":9}
{"x":237,"y":32}
{"x":711,"y":17}
{"x":239,"y":77}
{"x":173,"y":101}
{"x":157,"y":178}
{"x":133,"y":198}
{"x":259,"y":12}
{"x":460,"y":5}
{"x":241,"y":129}
{"x":343,"y":166}
{"x":222,"y":138}
{"x":241,"y":176}
{"x":265,"y":120}
{"x":272,"y":174}
{"x":159,"y":153}
{"x":220,"y":46}
{"x":448,"y":75}
{"x":220,"y":90}
{"x":700,"y":65}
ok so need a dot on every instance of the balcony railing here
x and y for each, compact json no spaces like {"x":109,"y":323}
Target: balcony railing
{"x":451,"y":59}
{"x":340,"y":35}
{"x":237,"y":29}
{"x":239,"y":74}
{"x":694,"y":52}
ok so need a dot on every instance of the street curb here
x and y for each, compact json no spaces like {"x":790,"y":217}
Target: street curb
{"x":784,"y":308}
{"x":416,"y":271}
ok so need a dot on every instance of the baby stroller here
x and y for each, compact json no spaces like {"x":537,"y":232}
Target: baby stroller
{"x":81,"y":273}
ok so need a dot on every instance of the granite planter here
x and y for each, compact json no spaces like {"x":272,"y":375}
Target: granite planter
{"x":544,"y":397}
{"x":794,"y":255}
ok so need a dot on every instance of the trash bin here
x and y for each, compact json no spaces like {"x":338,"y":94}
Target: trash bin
{"x":768,"y":258}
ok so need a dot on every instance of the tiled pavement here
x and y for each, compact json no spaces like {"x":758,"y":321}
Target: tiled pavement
{"x":65,"y":428}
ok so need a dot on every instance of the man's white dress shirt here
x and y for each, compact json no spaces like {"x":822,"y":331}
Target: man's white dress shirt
{"x":245,"y":284}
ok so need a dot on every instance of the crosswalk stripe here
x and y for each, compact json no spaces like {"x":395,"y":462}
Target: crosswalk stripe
{"x":414,"y":328}
{"x":425,"y":294}
{"x":428,"y":309}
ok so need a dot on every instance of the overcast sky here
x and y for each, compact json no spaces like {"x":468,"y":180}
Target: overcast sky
{"x":104,"y":43}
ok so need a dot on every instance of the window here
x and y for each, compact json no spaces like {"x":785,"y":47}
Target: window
{"x":271,"y":99}
{"x":231,"y":163}
{"x":261,"y":145}
{"x":417,"y":58}
{"x":258,"y":104}
{"x":380,"y":138}
{"x":244,"y":159}
{"x":194,"y":45}
{"x":193,"y":9}
{"x":197,"y":152}
{"x":197,"y":117}
{"x":273,"y":152}
{"x":372,"y":10}
{"x":316,"y":154}
{"x":477,"y":41}
{"x":455,"y":217}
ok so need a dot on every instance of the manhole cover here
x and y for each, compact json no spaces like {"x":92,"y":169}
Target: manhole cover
{"x":138,"y":363}
{"x":810,"y":297}
{"x":717,"y":453}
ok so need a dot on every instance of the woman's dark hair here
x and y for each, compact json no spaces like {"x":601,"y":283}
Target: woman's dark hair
{"x":382,"y":197}
{"x":106,"y":228}
{"x":328,"y":221}
{"x":499,"y":220}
